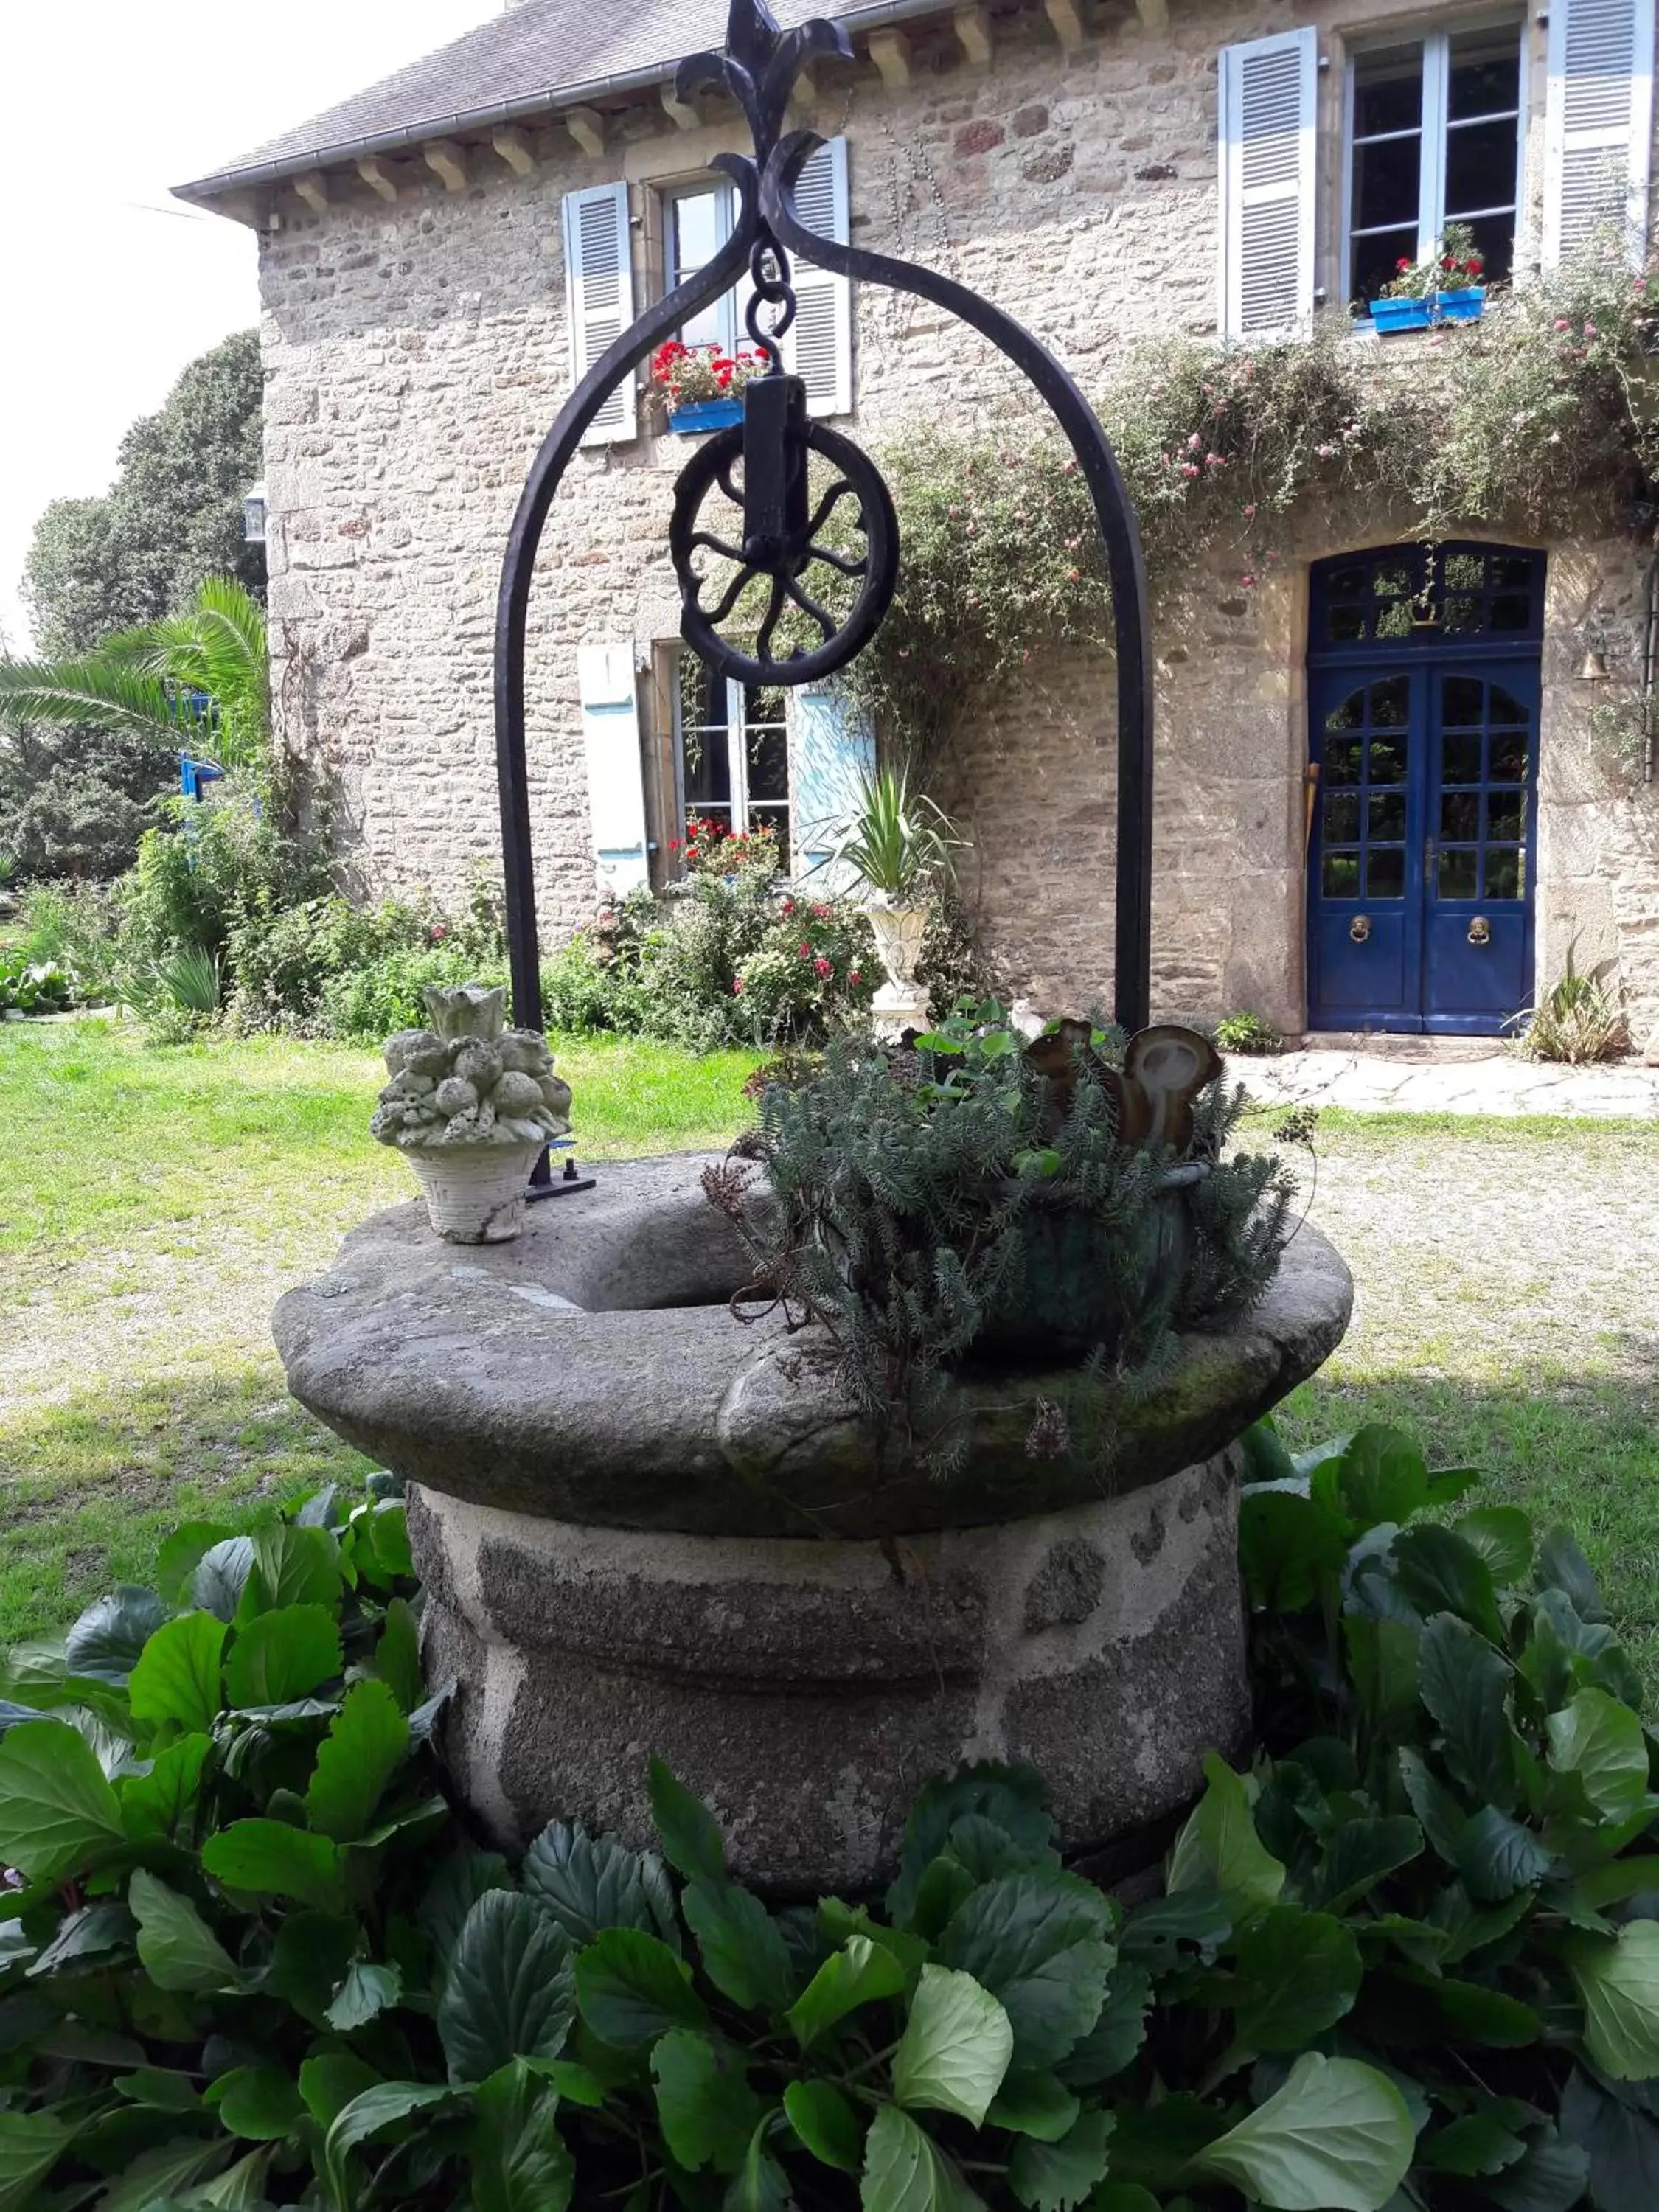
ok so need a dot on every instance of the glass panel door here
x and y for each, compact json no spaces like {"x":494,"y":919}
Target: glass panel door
{"x":1478,"y":863}
{"x":1366,"y":903}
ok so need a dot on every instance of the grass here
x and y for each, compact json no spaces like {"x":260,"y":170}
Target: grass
{"x":154,"y":1203}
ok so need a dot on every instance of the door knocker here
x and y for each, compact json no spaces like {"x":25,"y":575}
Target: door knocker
{"x":1481,"y":931}
{"x":1360,"y":928}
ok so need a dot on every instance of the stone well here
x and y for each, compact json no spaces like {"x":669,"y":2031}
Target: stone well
{"x":645,"y":1527}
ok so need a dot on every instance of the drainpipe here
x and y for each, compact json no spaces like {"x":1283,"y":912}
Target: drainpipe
{"x":1647,"y":649}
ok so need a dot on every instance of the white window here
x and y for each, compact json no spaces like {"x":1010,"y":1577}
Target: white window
{"x":697,"y":219}
{"x":730,"y":755}
{"x":1435,"y":137}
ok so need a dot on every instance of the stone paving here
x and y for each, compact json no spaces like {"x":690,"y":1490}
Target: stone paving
{"x":1448,"y":1075}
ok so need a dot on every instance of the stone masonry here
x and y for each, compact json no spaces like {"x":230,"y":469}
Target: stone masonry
{"x":415,"y":353}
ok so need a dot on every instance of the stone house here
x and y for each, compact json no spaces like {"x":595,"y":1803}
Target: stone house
{"x":441,"y":255}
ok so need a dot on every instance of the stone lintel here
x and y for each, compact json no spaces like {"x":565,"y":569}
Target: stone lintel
{"x":973,"y":29}
{"x":311,"y":187}
{"x":588,"y":127}
{"x":514,"y":150}
{"x":377,"y":175}
{"x":447,"y":162}
{"x":891,"y":52}
{"x":1067,"y":17}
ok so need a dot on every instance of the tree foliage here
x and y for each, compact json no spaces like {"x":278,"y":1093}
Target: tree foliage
{"x":173,"y":516}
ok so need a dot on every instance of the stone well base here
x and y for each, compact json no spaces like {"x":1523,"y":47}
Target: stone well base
{"x":806,"y":1691}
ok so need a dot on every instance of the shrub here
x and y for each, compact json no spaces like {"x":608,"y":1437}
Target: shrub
{"x":215,"y":864}
{"x":75,"y":802}
{"x":1406,"y":1960}
{"x":1247,"y":1033}
{"x":390,"y":993}
{"x":1577,"y":1020}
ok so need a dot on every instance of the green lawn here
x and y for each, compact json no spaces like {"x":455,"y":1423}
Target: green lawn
{"x":154,"y":1203}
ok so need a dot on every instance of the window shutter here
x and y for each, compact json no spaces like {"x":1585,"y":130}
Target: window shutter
{"x":616,"y":784}
{"x":599,"y":292}
{"x":1598,"y":124}
{"x":819,"y":343}
{"x":832,"y":750}
{"x":1268,"y":91}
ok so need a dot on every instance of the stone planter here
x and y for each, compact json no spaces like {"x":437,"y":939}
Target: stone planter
{"x":900,"y":1004}
{"x":475,"y":1194}
{"x":646,"y":1528}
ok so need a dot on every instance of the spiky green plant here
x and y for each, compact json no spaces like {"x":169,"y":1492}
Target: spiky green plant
{"x":154,"y":680}
{"x":895,"y":840}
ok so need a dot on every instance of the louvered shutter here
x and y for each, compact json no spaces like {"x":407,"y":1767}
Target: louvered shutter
{"x":1268,"y":183}
{"x":616,"y":782}
{"x":832,"y":750}
{"x":819,"y":343}
{"x":1598,"y":124}
{"x":599,"y":292}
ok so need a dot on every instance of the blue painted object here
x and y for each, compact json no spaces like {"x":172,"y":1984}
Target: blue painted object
{"x":1466,"y":306}
{"x":706,"y":414}
{"x":1402,"y":314}
{"x":194,"y":776}
{"x":1423,"y":694}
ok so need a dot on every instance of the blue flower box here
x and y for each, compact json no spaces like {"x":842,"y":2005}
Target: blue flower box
{"x":706,"y":414}
{"x":1402,"y":314}
{"x":1464,"y":306}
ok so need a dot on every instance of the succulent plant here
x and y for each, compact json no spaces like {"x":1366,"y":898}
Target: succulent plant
{"x":469,"y":1079}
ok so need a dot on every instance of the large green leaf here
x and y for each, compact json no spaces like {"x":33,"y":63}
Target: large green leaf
{"x":106,"y":1640}
{"x":1037,"y":1942}
{"x":708,"y":2109}
{"x":165,"y":2172}
{"x":1563,"y":1566}
{"x":57,"y":1809}
{"x":860,"y":1972}
{"x":364,"y":1994}
{"x":1551,"y":2177}
{"x":1601,"y":1742}
{"x":760,"y":2184}
{"x":167,"y":1799}
{"x":691,"y":1841}
{"x":1619,"y":2137}
{"x":292,"y":1566}
{"x":590,"y":1882}
{"x":31,"y":2144}
{"x":1033,"y":2103}
{"x":1382,"y":1660}
{"x":905,"y":2171}
{"x":1381,"y":1477}
{"x":262,"y":2103}
{"x":1289,"y":1549}
{"x":826,"y":2124}
{"x":1336,"y":2138}
{"x":632,"y":1988}
{"x":1219,"y":1848}
{"x":1297,"y":1974}
{"x":397,"y":1661}
{"x":1012,"y":1798}
{"x":268,"y":1858}
{"x":179,"y":1950}
{"x":364,"y":1747}
{"x":181,"y":1554}
{"x":368,"y":2116}
{"x":1359,"y":1854}
{"x":509,"y":1993}
{"x":281,"y":1655}
{"x":1112,"y":2043}
{"x":1618,"y":1984}
{"x":1053,"y":2176}
{"x":221,"y":1575}
{"x":956,"y":2046}
{"x":1465,"y":1684}
{"x":1439,"y":1572}
{"x":458,"y":1882}
{"x":517,"y":2159}
{"x":177,"y":1680}
{"x":1502,"y":1536}
{"x":1496,"y":1856}
{"x":741,"y":1947}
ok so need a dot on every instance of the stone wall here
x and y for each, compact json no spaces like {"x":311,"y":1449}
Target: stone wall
{"x":417,"y":352}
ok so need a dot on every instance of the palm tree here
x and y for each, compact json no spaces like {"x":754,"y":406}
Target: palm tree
{"x":200,"y":679}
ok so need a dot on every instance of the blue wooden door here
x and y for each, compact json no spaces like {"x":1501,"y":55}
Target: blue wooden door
{"x":1423,"y":754}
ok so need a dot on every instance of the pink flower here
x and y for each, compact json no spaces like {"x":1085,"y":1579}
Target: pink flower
{"x":804,"y":951}
{"x":1072,"y":575}
{"x":856,"y":976}
{"x":1193,"y":443}
{"x":1562,"y":323}
{"x":1249,"y":512}
{"x":1589,"y":330}
{"x":737,"y":987}
{"x":821,"y":967}
{"x":1190,"y":469}
{"x":1249,"y":582}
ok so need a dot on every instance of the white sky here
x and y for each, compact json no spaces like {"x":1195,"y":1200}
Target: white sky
{"x":103,"y":300}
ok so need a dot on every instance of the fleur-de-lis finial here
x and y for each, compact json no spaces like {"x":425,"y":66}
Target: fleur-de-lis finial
{"x":759,"y":65}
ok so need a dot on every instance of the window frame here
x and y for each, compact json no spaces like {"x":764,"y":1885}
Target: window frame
{"x":1436,"y":47}
{"x":746,"y":814}
{"x":728,"y":305}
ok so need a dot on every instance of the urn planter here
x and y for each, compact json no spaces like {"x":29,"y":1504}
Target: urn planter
{"x":900,"y":1003}
{"x":475,"y":1196}
{"x":646,"y":1528}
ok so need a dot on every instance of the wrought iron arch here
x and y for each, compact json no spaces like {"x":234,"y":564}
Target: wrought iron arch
{"x":758,"y":67}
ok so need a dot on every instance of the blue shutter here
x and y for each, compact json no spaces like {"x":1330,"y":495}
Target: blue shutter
{"x":615,"y":785}
{"x":833,"y":751}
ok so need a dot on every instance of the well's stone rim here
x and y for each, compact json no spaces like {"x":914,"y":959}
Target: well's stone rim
{"x":476,"y":1372}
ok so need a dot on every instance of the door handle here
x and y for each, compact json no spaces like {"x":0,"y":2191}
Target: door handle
{"x":1481,"y":931}
{"x":1360,"y":928}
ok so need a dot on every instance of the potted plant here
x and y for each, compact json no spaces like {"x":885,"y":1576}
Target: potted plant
{"x":470,"y":1105}
{"x":898,"y":844}
{"x":1448,"y":286}
{"x":702,"y":386}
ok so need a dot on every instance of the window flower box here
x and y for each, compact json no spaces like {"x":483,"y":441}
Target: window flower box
{"x":1465,"y":304}
{"x":694,"y":417}
{"x":1402,"y":314}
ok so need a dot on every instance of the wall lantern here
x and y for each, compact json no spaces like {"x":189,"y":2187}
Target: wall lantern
{"x":253,"y":516}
